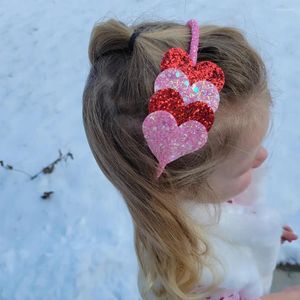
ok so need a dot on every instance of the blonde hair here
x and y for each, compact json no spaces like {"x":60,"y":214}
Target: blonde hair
{"x":171,"y":249}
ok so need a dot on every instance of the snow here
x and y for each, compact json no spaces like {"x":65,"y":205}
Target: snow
{"x":78,"y":244}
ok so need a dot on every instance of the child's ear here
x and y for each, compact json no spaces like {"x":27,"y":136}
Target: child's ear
{"x":261,"y":156}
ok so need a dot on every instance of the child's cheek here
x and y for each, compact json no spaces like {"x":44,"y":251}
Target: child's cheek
{"x":243,"y":182}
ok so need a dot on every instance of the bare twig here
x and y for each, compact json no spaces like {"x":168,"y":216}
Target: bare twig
{"x":46,"y":170}
{"x":47,"y":195}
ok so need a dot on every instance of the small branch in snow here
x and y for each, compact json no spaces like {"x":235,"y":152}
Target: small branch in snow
{"x":49,"y":169}
{"x":9,"y":167}
{"x":47,"y":195}
{"x":46,"y":170}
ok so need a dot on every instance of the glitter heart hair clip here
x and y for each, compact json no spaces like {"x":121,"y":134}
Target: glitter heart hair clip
{"x":182,"y":108}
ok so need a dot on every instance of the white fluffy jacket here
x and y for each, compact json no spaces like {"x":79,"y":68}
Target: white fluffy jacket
{"x":247,"y":241}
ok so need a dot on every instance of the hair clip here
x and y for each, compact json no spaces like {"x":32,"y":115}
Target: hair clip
{"x":182,"y":108}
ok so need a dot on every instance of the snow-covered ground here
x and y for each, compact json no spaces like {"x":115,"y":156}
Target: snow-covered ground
{"x":78,"y":244}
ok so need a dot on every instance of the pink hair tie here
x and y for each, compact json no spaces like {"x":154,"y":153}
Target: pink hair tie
{"x":181,"y":110}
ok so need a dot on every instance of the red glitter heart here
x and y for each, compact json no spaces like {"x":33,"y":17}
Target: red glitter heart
{"x":205,"y":70}
{"x":171,"y":101}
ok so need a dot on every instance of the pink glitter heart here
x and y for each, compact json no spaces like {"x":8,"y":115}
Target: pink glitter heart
{"x":168,"y":141}
{"x":201,"y":90}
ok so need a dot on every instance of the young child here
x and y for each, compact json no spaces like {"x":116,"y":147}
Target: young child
{"x":175,"y":119}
